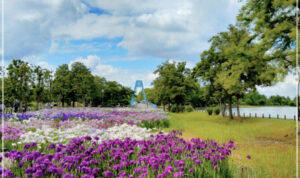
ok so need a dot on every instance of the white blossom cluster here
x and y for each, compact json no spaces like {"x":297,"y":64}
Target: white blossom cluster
{"x":53,"y":135}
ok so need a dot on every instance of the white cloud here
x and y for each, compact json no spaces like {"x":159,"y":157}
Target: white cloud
{"x":123,"y":76}
{"x":163,"y":29}
{"x":29,"y":25}
{"x":285,"y":88}
{"x":40,"y":61}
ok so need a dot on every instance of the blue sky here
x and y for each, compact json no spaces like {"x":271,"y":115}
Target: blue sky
{"x":124,"y":41}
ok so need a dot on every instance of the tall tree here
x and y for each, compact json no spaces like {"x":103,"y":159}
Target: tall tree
{"x":273,"y":22}
{"x":246,"y":66}
{"x":207,"y":69}
{"x":19,"y":76}
{"x":81,"y":80}
{"x":175,"y":82}
{"x":61,"y":83}
{"x":40,"y":84}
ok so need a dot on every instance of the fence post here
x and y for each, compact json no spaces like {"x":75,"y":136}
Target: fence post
{"x":294,"y":117}
{"x":269,"y":116}
{"x":262,"y":115}
{"x":243,"y":114}
{"x":233,"y":113}
{"x":284,"y":117}
{"x":255,"y":115}
{"x":277,"y":116}
{"x":250,"y":114}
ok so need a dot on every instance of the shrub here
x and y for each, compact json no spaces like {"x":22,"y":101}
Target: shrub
{"x":209,"y":110}
{"x":165,"y":123}
{"x":181,"y":108}
{"x":189,"y":108}
{"x":159,"y":124}
{"x":173,"y":108}
{"x":217,"y":110}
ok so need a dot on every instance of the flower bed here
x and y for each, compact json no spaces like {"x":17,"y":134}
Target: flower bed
{"x":92,"y":142}
{"x":159,"y":156}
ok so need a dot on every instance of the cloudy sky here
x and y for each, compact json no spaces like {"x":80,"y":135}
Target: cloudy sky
{"x":123,"y":41}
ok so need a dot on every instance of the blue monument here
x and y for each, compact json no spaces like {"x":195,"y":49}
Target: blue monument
{"x":139,"y":84}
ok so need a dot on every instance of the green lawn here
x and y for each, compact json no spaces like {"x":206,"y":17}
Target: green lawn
{"x":270,"y":143}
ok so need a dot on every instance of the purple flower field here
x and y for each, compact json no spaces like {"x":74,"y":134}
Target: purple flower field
{"x":160,"y":156}
{"x":93,"y":142}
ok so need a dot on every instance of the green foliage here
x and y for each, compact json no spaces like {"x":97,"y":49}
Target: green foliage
{"x":19,"y":79}
{"x":189,"y":108}
{"x":62,"y":84}
{"x":209,"y":110}
{"x":173,"y":108}
{"x":32,"y":83}
{"x":216,"y":110}
{"x":151,"y":95}
{"x":174,"y":83}
{"x":181,"y":108}
{"x":158,"y":124}
{"x":254,"y":98}
{"x":234,"y":64}
{"x":273,"y":24}
{"x":197,"y":98}
{"x":177,"y":108}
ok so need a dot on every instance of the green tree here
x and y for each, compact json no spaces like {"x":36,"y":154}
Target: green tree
{"x":20,"y":77}
{"x":150,"y":94}
{"x":41,"y":77}
{"x":273,"y":22}
{"x":246,"y":66}
{"x":81,"y":81}
{"x":254,"y":98}
{"x":116,"y":94}
{"x":62,"y":84}
{"x":207,"y":69}
{"x":97,"y":94}
{"x":174,"y":82}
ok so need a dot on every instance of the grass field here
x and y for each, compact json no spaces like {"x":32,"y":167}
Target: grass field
{"x":270,"y":143}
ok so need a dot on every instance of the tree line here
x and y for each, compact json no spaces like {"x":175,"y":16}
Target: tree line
{"x":67,"y":86}
{"x":258,"y":51}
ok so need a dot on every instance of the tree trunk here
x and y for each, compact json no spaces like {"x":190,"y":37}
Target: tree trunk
{"x":26,"y":104}
{"x":238,"y":109}
{"x":73,"y":103}
{"x":37,"y":103}
{"x":20,"y":107}
{"x":164,"y":106}
{"x":169,"y":107}
{"x":177,"y":107}
{"x":230,"y":107}
{"x":223,"y":109}
{"x":83,"y":100}
{"x":220,"y":105}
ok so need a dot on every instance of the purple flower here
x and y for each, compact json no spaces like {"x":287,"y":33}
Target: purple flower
{"x":69,"y":176}
{"x":198,"y":161}
{"x":169,"y":169}
{"x":178,"y":174}
{"x":191,"y":170}
{"x":108,"y":173}
{"x":248,"y":157}
{"x":38,"y":173}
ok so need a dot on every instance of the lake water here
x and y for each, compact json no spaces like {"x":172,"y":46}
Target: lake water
{"x":290,"y":112}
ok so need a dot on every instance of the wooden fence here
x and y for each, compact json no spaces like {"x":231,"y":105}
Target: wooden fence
{"x":255,"y":115}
